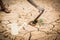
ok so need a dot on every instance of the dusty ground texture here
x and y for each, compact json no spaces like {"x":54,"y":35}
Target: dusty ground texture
{"x":22,"y":12}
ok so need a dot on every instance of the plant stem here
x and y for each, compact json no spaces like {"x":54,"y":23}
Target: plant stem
{"x":35,"y":20}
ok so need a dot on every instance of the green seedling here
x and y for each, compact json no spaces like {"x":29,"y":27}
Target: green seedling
{"x":41,"y":22}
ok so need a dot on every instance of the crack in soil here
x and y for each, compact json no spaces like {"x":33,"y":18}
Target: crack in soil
{"x":29,"y":37}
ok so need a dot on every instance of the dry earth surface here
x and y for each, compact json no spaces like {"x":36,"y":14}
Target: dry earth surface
{"x":22,"y":12}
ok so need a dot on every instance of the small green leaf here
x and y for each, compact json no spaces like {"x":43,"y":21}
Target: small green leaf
{"x":41,"y":22}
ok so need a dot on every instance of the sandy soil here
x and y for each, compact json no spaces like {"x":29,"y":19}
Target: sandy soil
{"x":22,"y":12}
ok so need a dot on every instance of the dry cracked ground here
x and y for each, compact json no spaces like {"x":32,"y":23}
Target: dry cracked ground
{"x":22,"y":12}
